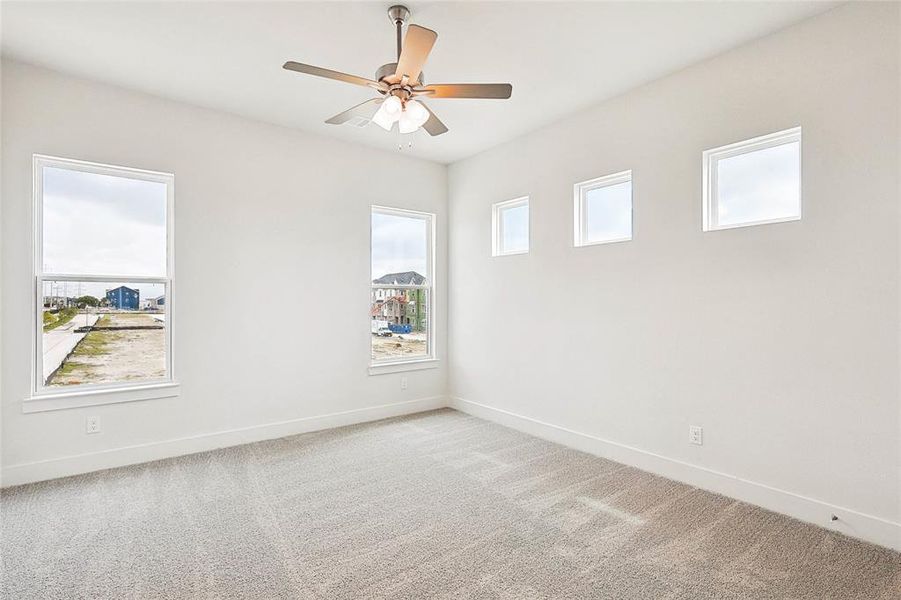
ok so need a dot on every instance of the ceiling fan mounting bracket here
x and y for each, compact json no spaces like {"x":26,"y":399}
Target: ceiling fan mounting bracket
{"x":399,"y":14}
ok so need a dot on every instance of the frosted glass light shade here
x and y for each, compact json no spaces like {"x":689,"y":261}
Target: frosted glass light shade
{"x":388,"y":113}
{"x":413,"y":117}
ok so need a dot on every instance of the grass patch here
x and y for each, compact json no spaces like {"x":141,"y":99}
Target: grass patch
{"x":61,"y":318}
{"x":69,"y":367}
{"x":94,"y":344}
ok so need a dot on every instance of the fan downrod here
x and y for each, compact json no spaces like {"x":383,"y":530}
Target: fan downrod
{"x":399,"y":15}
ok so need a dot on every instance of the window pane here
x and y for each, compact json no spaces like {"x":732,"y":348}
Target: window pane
{"x":103,"y":224}
{"x":515,"y":229}
{"x":761,"y":185}
{"x":399,"y":249}
{"x":608,"y":213}
{"x":101,"y":333}
{"x":400,"y":323}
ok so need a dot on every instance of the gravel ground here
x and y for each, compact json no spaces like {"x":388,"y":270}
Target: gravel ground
{"x":399,"y":346}
{"x":116,"y":356}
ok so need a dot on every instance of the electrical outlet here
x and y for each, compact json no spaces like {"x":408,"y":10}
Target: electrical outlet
{"x":92,"y":424}
{"x":403,"y":383}
{"x":696,"y":435}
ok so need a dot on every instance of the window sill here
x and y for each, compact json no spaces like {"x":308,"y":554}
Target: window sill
{"x":753,"y":223}
{"x":79,"y":399}
{"x":602,"y":242}
{"x":399,"y":367}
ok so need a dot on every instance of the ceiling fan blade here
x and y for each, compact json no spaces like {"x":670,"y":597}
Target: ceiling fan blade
{"x":329,"y":74}
{"x":364,"y":110}
{"x":433,"y":126}
{"x":466,"y":90}
{"x":417,"y":45}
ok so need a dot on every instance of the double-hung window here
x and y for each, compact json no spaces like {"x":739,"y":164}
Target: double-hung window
{"x":102,"y":281}
{"x":401,"y":315}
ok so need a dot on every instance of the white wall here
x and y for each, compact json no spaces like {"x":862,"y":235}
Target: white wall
{"x":780,"y":340}
{"x":259,"y":209}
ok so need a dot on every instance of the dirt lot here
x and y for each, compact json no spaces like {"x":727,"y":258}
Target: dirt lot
{"x":399,"y":346}
{"x":116,"y":356}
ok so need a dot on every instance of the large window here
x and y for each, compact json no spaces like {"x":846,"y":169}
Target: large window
{"x":602,"y":210}
{"x":401,"y":292}
{"x":753,"y":182}
{"x":103,"y":277}
{"x":510,"y":227}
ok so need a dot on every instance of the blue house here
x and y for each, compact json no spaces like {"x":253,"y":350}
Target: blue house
{"x":124,"y":298}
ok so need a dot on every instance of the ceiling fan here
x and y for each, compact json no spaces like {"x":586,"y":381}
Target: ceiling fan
{"x":401,"y":84}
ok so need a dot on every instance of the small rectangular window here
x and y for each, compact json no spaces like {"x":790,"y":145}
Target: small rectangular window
{"x":602,"y":210}
{"x":401,"y":298}
{"x":103,"y":276}
{"x":753,"y":182}
{"x":510,"y":227}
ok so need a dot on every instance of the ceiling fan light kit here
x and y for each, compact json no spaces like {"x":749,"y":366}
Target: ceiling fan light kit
{"x":401,"y":83}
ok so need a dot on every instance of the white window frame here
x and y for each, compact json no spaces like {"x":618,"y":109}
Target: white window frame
{"x":430,"y":359}
{"x":497,"y":226}
{"x":580,"y":224}
{"x":53,"y":398}
{"x":710,"y":158}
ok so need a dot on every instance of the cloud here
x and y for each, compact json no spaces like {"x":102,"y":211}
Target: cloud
{"x":99,"y":224}
{"x":399,"y":244}
{"x":759,"y":185}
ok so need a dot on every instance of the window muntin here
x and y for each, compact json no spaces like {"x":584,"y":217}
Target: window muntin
{"x":103,"y":277}
{"x":602,"y":210}
{"x":401,"y":286}
{"x":753,"y":182}
{"x":510,"y":227}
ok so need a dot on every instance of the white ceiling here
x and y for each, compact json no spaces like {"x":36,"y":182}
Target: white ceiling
{"x":560,"y":57}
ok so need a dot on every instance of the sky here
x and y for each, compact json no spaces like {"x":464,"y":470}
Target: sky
{"x":608,"y":212}
{"x":399,"y":244}
{"x":759,"y":185}
{"x":103,"y":225}
{"x":515,"y":227}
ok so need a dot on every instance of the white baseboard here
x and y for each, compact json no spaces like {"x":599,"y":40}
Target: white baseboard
{"x":129,"y":455}
{"x":852,"y":523}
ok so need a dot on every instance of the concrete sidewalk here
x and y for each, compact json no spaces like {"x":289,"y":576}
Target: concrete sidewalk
{"x":59,"y":342}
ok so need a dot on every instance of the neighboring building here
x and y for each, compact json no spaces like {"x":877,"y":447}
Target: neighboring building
{"x":157,"y":303}
{"x":391,"y":309}
{"x":58,"y":302}
{"x":405,"y":278}
{"x":401,"y":305}
{"x":124,"y":298}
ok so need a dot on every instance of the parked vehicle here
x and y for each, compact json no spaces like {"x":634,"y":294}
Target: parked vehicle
{"x":381,"y":329}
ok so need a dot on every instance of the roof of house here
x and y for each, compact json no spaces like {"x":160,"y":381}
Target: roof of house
{"x":405,"y":278}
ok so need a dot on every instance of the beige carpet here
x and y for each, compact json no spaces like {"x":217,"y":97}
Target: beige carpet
{"x":433,"y":505}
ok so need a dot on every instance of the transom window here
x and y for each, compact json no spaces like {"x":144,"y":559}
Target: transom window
{"x":510,"y":227}
{"x":753,"y":182}
{"x":401,"y":286}
{"x":103,"y":276}
{"x":602,"y":210}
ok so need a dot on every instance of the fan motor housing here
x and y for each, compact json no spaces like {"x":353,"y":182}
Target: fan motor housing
{"x":389,"y":69}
